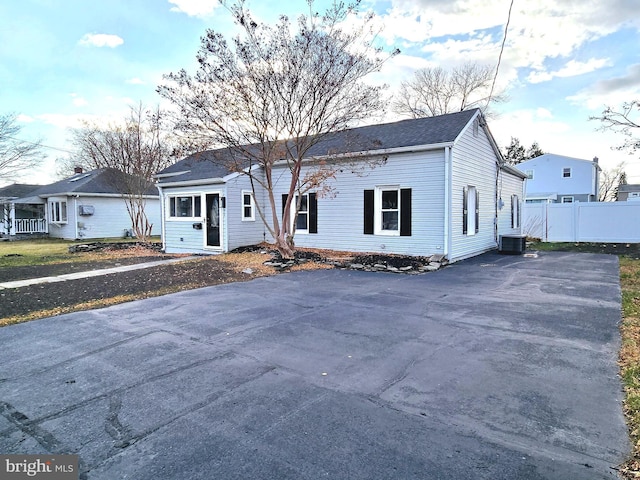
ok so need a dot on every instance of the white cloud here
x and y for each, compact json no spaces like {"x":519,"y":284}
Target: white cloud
{"x":572,"y":68}
{"x":135,"y":81}
{"x":195,"y":8}
{"x":610,"y":91}
{"x":538,"y":31}
{"x":24,"y":118}
{"x":100,"y":40}
{"x":78,"y":101}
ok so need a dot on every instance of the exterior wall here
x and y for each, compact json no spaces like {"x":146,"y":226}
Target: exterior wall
{"x":548,"y":179}
{"x":509,"y":185}
{"x":584,"y":222}
{"x":179,"y":234}
{"x":473,"y":164}
{"x":341,"y":218}
{"x":242,"y":232}
{"x":110,"y":218}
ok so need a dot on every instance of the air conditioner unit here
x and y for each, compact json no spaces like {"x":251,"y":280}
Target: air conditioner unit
{"x":86,"y":210}
{"x":513,"y":244}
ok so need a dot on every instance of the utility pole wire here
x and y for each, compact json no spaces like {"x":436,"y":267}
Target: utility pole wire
{"x":504,"y":40}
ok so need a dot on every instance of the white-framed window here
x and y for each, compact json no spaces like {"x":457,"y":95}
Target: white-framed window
{"x":529,"y":174}
{"x":302,"y":220}
{"x":387,"y":210}
{"x":633,"y":195}
{"x":515,"y":211}
{"x":567,"y":199}
{"x":248,"y":206}
{"x":566,"y":172}
{"x":58,"y":211}
{"x":470,"y":210}
{"x":185,"y":206}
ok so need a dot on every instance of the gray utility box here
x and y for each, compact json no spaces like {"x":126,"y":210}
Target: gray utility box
{"x":512,"y":244}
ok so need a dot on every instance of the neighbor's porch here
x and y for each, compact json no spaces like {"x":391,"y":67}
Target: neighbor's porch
{"x":26,"y":217}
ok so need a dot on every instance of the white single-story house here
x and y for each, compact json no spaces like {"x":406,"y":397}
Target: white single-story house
{"x":555,"y":178}
{"x":84,"y":206}
{"x":442,"y":188}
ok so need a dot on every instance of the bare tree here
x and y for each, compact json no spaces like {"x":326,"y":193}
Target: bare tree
{"x":16,"y":156}
{"x":625,"y":121}
{"x":271,"y":94}
{"x":134,"y":151}
{"x":610,"y":181}
{"x":435,"y":91}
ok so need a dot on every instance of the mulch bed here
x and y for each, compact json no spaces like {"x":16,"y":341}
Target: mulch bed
{"x":176,"y":276}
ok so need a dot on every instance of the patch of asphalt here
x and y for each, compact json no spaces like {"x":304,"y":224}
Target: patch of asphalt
{"x":497,"y":367}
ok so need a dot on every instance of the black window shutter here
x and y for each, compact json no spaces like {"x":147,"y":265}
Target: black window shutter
{"x":465,"y":213}
{"x":405,"y":212}
{"x":513,"y":211}
{"x":284,"y":202}
{"x":313,"y":213}
{"x":519,"y":212}
{"x":368,"y":212}
{"x":477,"y":211}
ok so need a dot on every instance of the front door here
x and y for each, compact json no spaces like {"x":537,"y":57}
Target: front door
{"x":213,"y":220}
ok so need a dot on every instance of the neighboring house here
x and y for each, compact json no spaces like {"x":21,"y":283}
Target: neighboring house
{"x":7,"y":195}
{"x":443,"y":189}
{"x":628,"y":192}
{"x":557,"y":179}
{"x":85,"y":205}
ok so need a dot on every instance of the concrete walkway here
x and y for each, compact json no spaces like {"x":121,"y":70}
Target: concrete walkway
{"x":89,"y":273}
{"x":495,"y":368}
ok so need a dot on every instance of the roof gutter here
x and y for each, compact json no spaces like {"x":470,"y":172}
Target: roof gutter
{"x":191,"y":183}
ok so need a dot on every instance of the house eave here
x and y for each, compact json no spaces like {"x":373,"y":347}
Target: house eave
{"x":89,"y":194}
{"x":192,"y":183}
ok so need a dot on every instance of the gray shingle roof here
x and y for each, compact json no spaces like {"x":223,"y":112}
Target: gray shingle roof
{"x":404,"y":133}
{"x":17,"y":190}
{"x":100,"y":181}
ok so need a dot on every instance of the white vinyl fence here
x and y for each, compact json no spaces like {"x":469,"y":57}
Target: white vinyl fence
{"x":611,"y":222}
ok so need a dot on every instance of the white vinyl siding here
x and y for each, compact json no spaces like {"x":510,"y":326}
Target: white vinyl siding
{"x":110,"y":218}
{"x":473,"y":164}
{"x":510,"y":186}
{"x":340,"y":218}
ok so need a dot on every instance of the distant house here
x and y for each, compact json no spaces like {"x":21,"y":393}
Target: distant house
{"x":558,"y":179}
{"x":83,"y":206}
{"x":7,"y":195}
{"x":628,"y":192}
{"x":442,"y":189}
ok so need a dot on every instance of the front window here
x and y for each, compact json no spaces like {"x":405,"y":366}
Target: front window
{"x":58,"y":210}
{"x":302,"y":220}
{"x":566,"y":172}
{"x":567,"y":199}
{"x":388,"y":211}
{"x":187,"y":206}
{"x":529,"y":174}
{"x":248,"y":209}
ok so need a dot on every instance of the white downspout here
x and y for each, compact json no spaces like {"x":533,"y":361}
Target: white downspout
{"x":162,"y":212}
{"x":75,"y":215}
{"x":447,"y":202}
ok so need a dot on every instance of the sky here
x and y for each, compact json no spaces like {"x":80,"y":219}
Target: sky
{"x":65,"y":61}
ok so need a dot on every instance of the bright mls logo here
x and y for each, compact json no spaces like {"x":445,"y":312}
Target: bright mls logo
{"x":49,"y":467}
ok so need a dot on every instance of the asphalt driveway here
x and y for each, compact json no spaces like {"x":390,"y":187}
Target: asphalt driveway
{"x":498,"y":367}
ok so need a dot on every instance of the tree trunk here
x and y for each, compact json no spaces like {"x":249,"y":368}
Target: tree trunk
{"x":285,"y":246}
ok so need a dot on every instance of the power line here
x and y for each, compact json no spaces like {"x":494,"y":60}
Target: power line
{"x":504,"y":40}
{"x":39,"y":144}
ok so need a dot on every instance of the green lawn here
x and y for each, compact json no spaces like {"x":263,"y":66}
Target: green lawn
{"x":45,"y":251}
